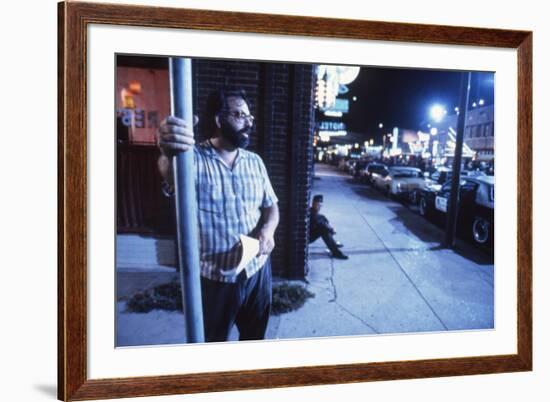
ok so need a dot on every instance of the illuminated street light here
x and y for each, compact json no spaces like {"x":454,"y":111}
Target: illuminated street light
{"x":437,"y":112}
{"x":346,"y":74}
{"x":380,"y":125}
{"x":481,"y":102}
{"x":330,"y":80}
{"x":433,"y":131}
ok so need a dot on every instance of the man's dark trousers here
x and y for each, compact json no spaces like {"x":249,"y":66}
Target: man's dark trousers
{"x":246,"y":303}
{"x":327,"y":238}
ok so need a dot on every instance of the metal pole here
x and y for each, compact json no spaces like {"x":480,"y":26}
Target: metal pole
{"x":453,"y":203}
{"x":186,"y":204}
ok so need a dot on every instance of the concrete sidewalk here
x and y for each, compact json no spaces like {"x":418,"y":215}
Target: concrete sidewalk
{"x":396,"y":280}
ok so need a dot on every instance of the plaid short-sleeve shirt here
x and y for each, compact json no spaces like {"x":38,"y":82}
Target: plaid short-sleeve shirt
{"x":229,"y":204}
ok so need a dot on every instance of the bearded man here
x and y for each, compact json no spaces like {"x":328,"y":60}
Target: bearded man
{"x":234,"y":197}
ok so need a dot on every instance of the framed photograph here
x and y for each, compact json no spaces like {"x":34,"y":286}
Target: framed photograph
{"x":359,"y":206}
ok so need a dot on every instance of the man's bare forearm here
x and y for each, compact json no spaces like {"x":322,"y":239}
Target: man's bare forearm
{"x":165,"y":168}
{"x":270,"y":218}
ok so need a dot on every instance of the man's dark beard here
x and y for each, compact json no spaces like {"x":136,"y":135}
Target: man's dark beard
{"x":235,"y":137}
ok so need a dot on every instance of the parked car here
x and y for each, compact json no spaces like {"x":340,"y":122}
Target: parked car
{"x":472,"y":173}
{"x":350,"y":165}
{"x":440,"y":175}
{"x":475,"y":209}
{"x":432,"y":182}
{"x":342,"y":164}
{"x":399,"y":181}
{"x":358,"y":168}
{"x":365,"y":175}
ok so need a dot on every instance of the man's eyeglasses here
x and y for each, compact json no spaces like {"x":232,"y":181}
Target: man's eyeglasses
{"x":240,"y":115}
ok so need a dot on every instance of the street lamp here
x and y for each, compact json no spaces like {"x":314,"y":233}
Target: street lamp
{"x":437,"y":112}
{"x":381,"y":126}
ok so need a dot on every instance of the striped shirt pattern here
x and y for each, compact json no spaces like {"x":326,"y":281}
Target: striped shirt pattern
{"x":229,"y":204}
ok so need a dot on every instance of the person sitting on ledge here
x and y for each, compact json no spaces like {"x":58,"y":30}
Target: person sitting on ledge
{"x":320,"y":227}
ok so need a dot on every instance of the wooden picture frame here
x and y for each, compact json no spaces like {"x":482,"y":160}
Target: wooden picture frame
{"x":73,"y":381}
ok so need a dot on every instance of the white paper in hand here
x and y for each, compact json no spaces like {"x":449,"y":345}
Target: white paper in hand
{"x":250,"y":247}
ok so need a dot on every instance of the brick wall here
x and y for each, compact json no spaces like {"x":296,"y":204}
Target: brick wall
{"x":281,"y":98}
{"x":301,"y":166}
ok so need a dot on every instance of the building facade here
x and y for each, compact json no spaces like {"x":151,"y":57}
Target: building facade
{"x":479,"y":132}
{"x":281,"y":99}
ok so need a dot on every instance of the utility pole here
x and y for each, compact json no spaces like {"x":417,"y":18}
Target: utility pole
{"x":181,"y":101}
{"x":454,"y":197}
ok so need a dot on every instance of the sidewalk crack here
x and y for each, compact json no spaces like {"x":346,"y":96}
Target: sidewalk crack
{"x":366,"y":324}
{"x":335,"y":300}
{"x":332,"y":285}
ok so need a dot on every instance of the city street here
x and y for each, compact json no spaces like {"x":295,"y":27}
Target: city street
{"x":398,"y":279}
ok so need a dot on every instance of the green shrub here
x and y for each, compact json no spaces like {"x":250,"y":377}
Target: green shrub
{"x":288,"y":297}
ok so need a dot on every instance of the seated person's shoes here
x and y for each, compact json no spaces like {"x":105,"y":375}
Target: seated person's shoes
{"x":340,"y":256}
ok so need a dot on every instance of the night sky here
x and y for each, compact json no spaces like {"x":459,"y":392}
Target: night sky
{"x":402,"y":97}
